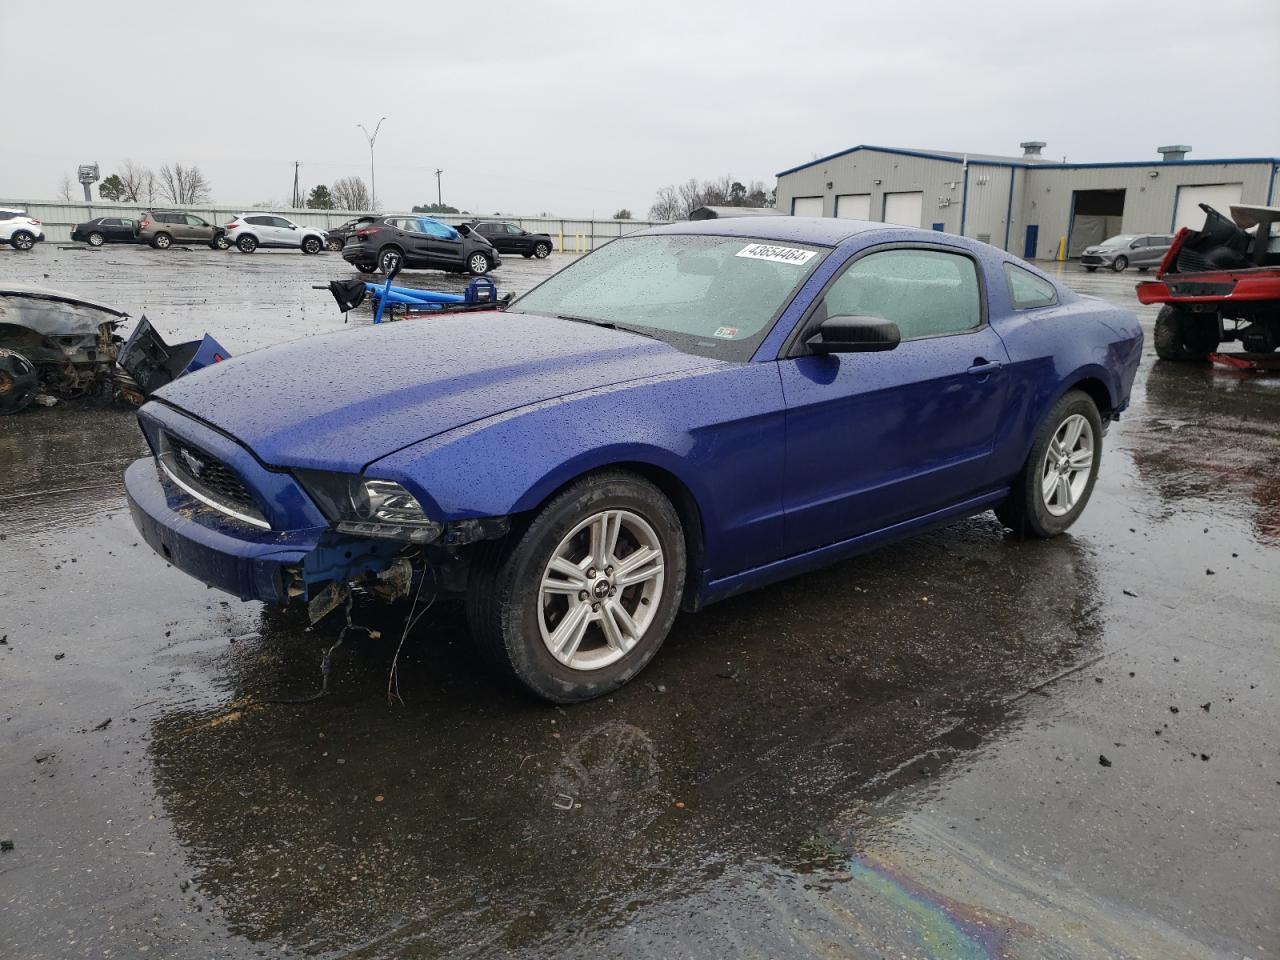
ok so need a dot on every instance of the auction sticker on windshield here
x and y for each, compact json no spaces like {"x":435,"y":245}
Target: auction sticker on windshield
{"x":768,"y":251}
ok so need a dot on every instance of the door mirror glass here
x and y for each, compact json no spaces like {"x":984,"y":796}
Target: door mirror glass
{"x":854,"y":335}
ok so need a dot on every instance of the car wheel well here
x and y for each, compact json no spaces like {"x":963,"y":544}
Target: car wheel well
{"x":686,"y":506}
{"x":1098,"y":393}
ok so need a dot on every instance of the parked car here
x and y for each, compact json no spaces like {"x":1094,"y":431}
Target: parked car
{"x":512,"y":238}
{"x":689,"y":412}
{"x":339,"y":236}
{"x":19,"y":230}
{"x":1143,"y":251}
{"x":102,"y":230}
{"x":163,"y":228}
{"x":421,"y":243}
{"x":249,"y":231}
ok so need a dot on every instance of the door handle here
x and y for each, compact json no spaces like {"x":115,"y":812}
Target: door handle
{"x":984,"y":368}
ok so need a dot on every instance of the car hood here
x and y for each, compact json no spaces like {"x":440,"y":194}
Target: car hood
{"x":342,"y":400}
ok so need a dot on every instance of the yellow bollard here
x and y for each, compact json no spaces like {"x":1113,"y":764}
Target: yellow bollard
{"x":1062,"y":249}
{"x":560,"y":242}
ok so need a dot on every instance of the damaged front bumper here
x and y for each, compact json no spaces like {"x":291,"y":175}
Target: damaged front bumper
{"x":212,"y":510}
{"x":252,"y":564}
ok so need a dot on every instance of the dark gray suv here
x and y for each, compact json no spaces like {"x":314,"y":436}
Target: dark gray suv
{"x":1141,"y":250}
{"x":419,"y":243}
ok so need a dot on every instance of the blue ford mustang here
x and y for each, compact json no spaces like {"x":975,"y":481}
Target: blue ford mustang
{"x":689,"y":412}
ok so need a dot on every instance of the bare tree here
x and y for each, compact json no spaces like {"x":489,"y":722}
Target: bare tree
{"x":64,"y":188}
{"x":350,"y":193}
{"x":138,"y":182}
{"x":666,"y":206}
{"x":183,"y":185}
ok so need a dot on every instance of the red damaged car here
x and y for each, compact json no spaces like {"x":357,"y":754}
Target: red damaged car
{"x":1220,"y":283}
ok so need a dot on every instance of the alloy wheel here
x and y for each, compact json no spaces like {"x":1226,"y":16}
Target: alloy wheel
{"x":23,"y":240}
{"x":601,"y":589}
{"x":1064,"y":473}
{"x":96,"y":239}
{"x":479,"y":263}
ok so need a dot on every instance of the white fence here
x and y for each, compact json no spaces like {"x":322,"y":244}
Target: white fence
{"x":568,"y":234}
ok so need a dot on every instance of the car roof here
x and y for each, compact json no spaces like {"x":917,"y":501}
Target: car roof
{"x":824,"y":231}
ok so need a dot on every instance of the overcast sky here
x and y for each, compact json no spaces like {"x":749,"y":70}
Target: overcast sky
{"x":584,"y":107}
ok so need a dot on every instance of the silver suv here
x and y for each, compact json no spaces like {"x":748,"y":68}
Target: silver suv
{"x":1141,"y":250}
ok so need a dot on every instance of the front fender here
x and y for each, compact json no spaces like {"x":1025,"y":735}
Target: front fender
{"x":719,"y":432}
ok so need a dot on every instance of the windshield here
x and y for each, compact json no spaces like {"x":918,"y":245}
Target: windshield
{"x":714,"y":296}
{"x":1119,"y":241}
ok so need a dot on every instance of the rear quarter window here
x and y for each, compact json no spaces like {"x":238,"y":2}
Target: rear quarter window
{"x":1026,"y":290}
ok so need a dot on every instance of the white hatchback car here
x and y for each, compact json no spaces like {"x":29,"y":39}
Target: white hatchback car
{"x":19,"y":230}
{"x":249,"y":231}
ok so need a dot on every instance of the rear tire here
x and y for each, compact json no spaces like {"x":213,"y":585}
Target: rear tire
{"x":1119,"y":264}
{"x":365,"y":268}
{"x":311,"y":245}
{"x":246,"y":244}
{"x":1182,"y":335}
{"x":18,"y":381}
{"x":514,"y":618}
{"x":96,"y":239}
{"x":1026,"y":512}
{"x":161,"y":241}
{"x":23,"y":240}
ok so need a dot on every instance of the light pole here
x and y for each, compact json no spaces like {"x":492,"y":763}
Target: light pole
{"x":439,"y":196}
{"x":373,"y":180}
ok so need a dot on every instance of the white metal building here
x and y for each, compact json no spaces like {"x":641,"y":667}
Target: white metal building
{"x":1026,"y":204}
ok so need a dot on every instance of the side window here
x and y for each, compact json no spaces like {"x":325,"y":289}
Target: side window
{"x":108,"y":222}
{"x":927,"y":293}
{"x":258,"y":221}
{"x":433,"y":228}
{"x":513,"y":229}
{"x":7,"y":215}
{"x":195,"y":221}
{"x":281,"y":222}
{"x":1026,"y":290}
{"x":407,"y":224}
{"x":128,"y":224}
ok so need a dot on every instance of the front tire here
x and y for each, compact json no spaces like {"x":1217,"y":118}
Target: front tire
{"x":577,"y":603}
{"x":18,"y":381}
{"x":366,"y":268}
{"x":335,"y":245}
{"x":96,"y":239}
{"x":1092,"y":269}
{"x":311,"y":245}
{"x":390,"y":260}
{"x":1119,"y":264}
{"x":1056,"y":481}
{"x":246,"y":244}
{"x":1181,"y":335}
{"x":220,"y":242}
{"x":478,"y":264}
{"x":542,"y":251}
{"x":23,"y":240}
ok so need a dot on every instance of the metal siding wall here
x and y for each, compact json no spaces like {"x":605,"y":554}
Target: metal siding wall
{"x":1148,"y":201}
{"x":59,"y":217}
{"x":987,"y":202}
{"x":857,"y":173}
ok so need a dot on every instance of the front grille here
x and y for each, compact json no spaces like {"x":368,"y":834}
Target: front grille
{"x":209,"y":479}
{"x":1091,"y":258}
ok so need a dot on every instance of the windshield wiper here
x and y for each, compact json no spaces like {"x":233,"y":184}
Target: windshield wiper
{"x":608,"y":325}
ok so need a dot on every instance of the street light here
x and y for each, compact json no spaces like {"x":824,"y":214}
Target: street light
{"x":373,"y":180}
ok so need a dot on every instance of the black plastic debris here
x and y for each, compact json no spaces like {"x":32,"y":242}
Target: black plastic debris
{"x":1103,"y":761}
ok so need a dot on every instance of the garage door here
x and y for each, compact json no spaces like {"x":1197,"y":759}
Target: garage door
{"x":903,"y":208}
{"x":854,"y":206}
{"x":806,"y":206}
{"x":1220,"y":196}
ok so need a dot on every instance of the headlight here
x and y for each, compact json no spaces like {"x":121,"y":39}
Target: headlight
{"x":369,"y":508}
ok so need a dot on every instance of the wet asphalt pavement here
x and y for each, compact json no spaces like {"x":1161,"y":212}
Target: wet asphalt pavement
{"x":961,"y":746}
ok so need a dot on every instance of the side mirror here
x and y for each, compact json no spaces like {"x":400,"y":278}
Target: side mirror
{"x":1134,"y":245}
{"x":854,"y":335}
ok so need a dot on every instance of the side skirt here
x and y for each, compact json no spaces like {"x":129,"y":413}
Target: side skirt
{"x":722,"y":589}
